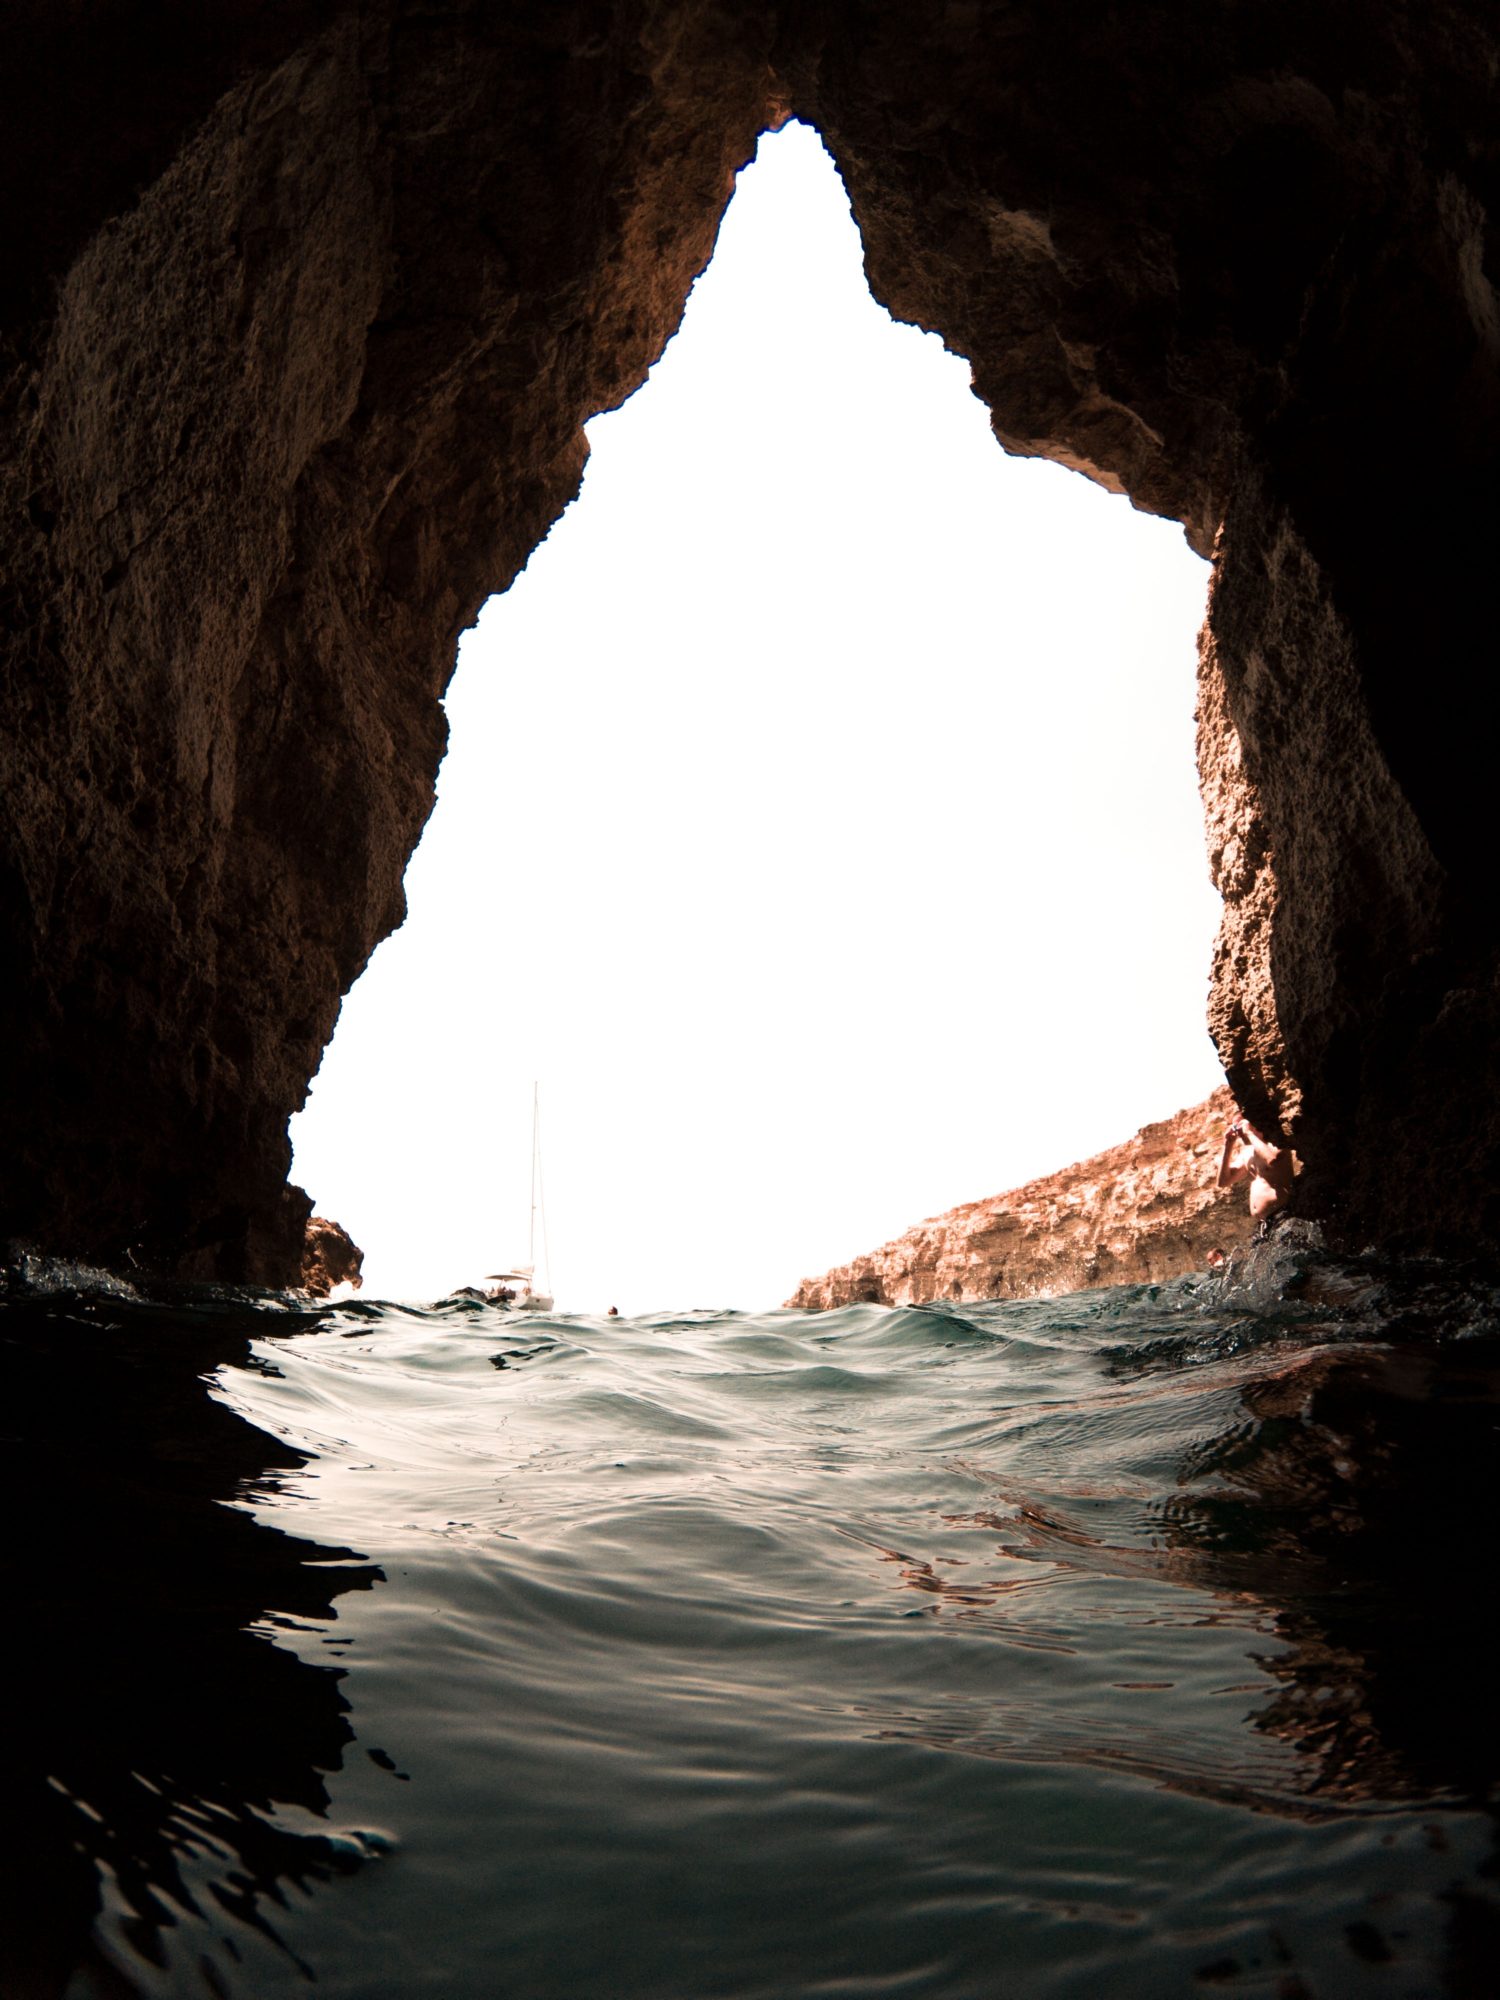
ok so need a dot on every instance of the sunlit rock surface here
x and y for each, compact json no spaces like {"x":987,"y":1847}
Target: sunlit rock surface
{"x":1137,"y":1214}
{"x":330,"y":1257}
{"x":301,"y":313}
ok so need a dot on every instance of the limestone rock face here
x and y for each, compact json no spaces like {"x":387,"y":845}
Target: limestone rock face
{"x":330,"y":1257}
{"x":1138,"y":1214}
{"x":302,"y":309}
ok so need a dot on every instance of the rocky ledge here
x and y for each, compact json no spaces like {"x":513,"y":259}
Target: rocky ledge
{"x":1136,"y":1214}
{"x":330,"y":1257}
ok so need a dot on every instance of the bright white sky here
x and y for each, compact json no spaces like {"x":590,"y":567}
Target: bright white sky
{"x":819,"y":826}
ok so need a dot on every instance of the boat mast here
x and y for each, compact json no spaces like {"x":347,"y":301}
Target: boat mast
{"x":531,"y":1239}
{"x":538,"y":1195}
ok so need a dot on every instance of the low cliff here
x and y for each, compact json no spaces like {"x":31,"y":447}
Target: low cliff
{"x":1141,"y":1212}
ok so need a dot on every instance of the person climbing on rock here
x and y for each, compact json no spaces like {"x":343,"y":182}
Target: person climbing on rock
{"x":1269,"y":1170}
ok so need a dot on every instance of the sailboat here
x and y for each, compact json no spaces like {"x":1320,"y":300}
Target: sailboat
{"x":528,"y":1299}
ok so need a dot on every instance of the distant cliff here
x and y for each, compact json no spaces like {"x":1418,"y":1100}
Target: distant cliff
{"x":1141,"y":1212}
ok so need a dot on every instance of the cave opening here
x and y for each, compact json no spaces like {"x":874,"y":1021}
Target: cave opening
{"x":819,"y":824}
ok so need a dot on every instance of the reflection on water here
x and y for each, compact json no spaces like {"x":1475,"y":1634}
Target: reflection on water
{"x":1370,"y":1480}
{"x":1131,"y":1642}
{"x":1364,"y":1477}
{"x":155,"y":1721}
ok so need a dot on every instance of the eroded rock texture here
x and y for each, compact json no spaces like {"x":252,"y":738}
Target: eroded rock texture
{"x":301,"y":402}
{"x":330,"y":1257}
{"x":1138,"y":1214}
{"x":304,"y":308}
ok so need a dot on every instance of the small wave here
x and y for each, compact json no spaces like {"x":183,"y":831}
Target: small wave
{"x":657,"y":1634}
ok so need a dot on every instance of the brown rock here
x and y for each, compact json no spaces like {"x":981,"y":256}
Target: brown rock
{"x":330,"y":1257}
{"x":1138,"y":1214}
{"x":299,"y":325}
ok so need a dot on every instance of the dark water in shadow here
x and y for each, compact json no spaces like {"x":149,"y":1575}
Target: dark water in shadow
{"x":156,"y":1717}
{"x":1132,"y":1643}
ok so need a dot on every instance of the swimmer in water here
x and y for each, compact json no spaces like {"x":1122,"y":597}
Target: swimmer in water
{"x":1249,"y":1157}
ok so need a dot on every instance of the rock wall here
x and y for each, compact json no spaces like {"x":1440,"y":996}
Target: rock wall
{"x":298,"y":405}
{"x":303,"y":308}
{"x":1138,"y":1214}
{"x":1246,"y":273}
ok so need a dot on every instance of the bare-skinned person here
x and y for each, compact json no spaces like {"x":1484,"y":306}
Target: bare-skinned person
{"x":1249,"y":1157}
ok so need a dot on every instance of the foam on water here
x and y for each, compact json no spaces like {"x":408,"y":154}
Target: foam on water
{"x":1125,"y":1642}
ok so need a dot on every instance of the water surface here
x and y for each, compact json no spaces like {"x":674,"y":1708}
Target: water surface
{"x":1129,"y":1642}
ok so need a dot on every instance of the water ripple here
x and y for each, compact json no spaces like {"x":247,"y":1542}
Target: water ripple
{"x":1055,"y":1647}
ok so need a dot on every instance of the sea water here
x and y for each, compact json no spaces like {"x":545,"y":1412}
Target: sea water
{"x":1129,"y":1643}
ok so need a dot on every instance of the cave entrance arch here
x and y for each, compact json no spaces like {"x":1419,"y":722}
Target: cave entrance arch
{"x":813,"y":801}
{"x":297,"y":368}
